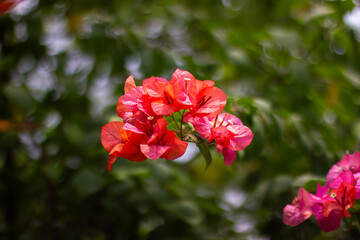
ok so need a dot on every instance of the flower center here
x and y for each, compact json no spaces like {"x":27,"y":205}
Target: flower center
{"x":168,"y":98}
{"x":203,"y":101}
{"x":186,"y":82}
{"x":160,"y":139}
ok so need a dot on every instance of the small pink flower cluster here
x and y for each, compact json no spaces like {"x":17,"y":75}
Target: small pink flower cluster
{"x":331,"y":202}
{"x":143,"y":132}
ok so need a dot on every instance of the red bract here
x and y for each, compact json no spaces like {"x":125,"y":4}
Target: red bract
{"x":166,"y":141}
{"x":200,"y":97}
{"x":121,"y":143}
{"x":228,"y":132}
{"x":341,"y":198}
{"x":299,"y":210}
{"x":210,"y":100}
{"x":161,"y":143}
{"x":161,"y":96}
{"x":184,"y":86}
{"x":135,"y":104}
{"x":207,"y":100}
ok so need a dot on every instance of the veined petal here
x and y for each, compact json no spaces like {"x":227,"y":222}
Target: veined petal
{"x":357,"y":185}
{"x":176,"y":147}
{"x":351,"y":162}
{"x":346,"y":176}
{"x":202,"y":125}
{"x":154,"y":88}
{"x":334,"y":171}
{"x":131,"y":106}
{"x":299,"y":210}
{"x":184,"y":87}
{"x":210,"y":102}
{"x":348,"y":163}
{"x":129,"y":83}
{"x":305,"y":200}
{"x":321,"y":191}
{"x":242,"y":139}
{"x":221,"y":135}
{"x":329,"y":206}
{"x":138,"y":157}
{"x":345,"y":194}
{"x":209,"y":83}
{"x":293,"y":217}
{"x":163,"y":109}
{"x":111,"y":161}
{"x":330,"y":223}
{"x":151,"y":79}
{"x":127,"y":150}
{"x":117,"y":149}
{"x":153,"y":151}
{"x":229,"y":155}
{"x":132,"y":128}
{"x":112,"y":134}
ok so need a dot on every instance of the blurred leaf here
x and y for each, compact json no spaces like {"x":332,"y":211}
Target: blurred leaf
{"x":53,"y":171}
{"x":185,"y":210}
{"x":259,"y":133}
{"x":317,"y":11}
{"x":87,"y":183}
{"x":123,"y":174}
{"x":248,"y":105}
{"x":353,"y":77}
{"x":20,"y":97}
{"x":204,"y":150}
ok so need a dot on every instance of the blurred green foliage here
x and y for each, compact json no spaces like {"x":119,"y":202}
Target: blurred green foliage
{"x":290,"y":69}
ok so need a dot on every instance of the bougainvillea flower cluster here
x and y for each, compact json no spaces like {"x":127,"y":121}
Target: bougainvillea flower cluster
{"x":143,"y":134}
{"x":332,"y":201}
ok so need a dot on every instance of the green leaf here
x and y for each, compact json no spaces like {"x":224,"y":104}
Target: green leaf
{"x":204,"y":149}
{"x":311,"y":185}
{"x":248,"y":105}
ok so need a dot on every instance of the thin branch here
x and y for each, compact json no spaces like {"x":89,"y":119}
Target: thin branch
{"x":172,"y":115}
{"x":181,"y":124}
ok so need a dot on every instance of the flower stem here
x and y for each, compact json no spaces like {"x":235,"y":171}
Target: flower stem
{"x":181,"y":123}
{"x":177,"y":125}
{"x":215,"y":121}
